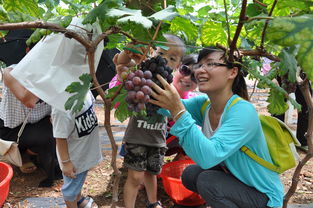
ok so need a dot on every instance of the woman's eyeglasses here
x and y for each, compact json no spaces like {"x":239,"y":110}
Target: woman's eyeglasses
{"x":186,"y":71}
{"x":210,"y":66}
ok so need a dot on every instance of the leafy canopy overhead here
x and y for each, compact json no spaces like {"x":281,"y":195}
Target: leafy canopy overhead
{"x":199,"y":23}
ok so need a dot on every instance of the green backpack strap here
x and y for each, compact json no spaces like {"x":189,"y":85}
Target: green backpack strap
{"x":259,"y":160}
{"x":207,"y":102}
{"x":204,"y":105}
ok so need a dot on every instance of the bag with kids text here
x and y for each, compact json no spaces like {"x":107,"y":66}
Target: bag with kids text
{"x":280,"y":140}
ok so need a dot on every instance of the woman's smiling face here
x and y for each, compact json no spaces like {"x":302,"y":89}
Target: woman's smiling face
{"x":212,"y":73}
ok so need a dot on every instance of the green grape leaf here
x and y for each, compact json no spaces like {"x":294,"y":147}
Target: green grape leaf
{"x":76,"y":101}
{"x":164,"y":47}
{"x":165,"y":14}
{"x":299,"y":4}
{"x":131,"y":15}
{"x":138,"y":31}
{"x":288,"y":63}
{"x":277,"y":104}
{"x":114,"y":39}
{"x":50,"y":4}
{"x":184,"y":27}
{"x":19,"y":17}
{"x":255,"y":10}
{"x":100,"y":11}
{"x":121,"y":113}
{"x":203,"y":11}
{"x":29,"y":7}
{"x":132,"y":50}
{"x":3,"y":15}
{"x":246,"y":44}
{"x":213,"y":32}
{"x":265,"y":80}
{"x":75,"y":6}
{"x":3,"y":33}
{"x":39,"y":33}
{"x":290,"y":31}
{"x":111,"y":92}
{"x":65,"y":21}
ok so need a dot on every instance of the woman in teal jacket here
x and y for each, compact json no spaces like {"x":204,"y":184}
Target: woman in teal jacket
{"x":224,"y":176}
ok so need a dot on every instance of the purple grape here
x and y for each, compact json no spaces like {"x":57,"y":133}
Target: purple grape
{"x":139,"y":73}
{"x":131,"y":107}
{"x":131,"y":95}
{"x":137,"y":109}
{"x":140,"y":95}
{"x":130,"y":76}
{"x":147,"y":74}
{"x":129,"y":85}
{"x":153,"y":66}
{"x":164,"y":74}
{"x":137,"y":88}
{"x":141,"y":106}
{"x":146,"y":98}
{"x":143,"y":81}
{"x":146,"y":90}
{"x":149,"y":82}
{"x":136,"y":80}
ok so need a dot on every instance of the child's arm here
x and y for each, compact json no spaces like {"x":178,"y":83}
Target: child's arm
{"x":18,"y":90}
{"x":127,"y":59}
{"x":68,"y":167}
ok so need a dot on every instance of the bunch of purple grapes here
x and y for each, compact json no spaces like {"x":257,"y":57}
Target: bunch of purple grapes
{"x":138,"y":84}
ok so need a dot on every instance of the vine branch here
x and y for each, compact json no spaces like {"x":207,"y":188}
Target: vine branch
{"x":46,"y":25}
{"x":242,"y":19}
{"x":227,"y":23}
{"x":259,"y":3}
{"x":305,"y":90}
{"x":255,"y":53}
{"x":266,"y":25}
{"x":259,"y":18}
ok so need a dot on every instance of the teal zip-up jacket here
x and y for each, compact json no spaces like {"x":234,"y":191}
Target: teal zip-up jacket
{"x":240,"y":126}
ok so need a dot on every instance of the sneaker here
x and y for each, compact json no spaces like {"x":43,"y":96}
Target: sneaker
{"x":90,"y":202}
{"x":153,"y":205}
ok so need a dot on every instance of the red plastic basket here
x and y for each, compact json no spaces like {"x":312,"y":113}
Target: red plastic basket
{"x":6,"y":173}
{"x":171,"y":173}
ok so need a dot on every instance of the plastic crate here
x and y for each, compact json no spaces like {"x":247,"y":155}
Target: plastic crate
{"x":171,"y":173}
{"x":6,"y":173}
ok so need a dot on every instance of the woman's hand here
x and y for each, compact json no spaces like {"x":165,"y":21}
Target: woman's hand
{"x":167,"y":98}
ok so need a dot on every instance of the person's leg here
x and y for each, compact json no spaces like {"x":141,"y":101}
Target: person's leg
{"x":39,"y":139}
{"x":155,"y":162}
{"x":71,"y":189}
{"x":136,"y":162}
{"x":303,"y":118}
{"x":131,"y":187}
{"x":150,"y":182}
{"x":220,"y":189}
{"x":190,"y":176}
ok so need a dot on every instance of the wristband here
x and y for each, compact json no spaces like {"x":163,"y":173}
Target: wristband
{"x":177,"y":114}
{"x":65,"y":161}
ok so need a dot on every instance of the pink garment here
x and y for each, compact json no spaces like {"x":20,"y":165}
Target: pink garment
{"x":266,"y":67}
{"x":115,"y":82}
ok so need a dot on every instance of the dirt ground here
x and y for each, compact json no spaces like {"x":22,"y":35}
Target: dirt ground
{"x":98,"y":184}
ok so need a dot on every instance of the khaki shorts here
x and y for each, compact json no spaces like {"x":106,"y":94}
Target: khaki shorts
{"x":144,"y":158}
